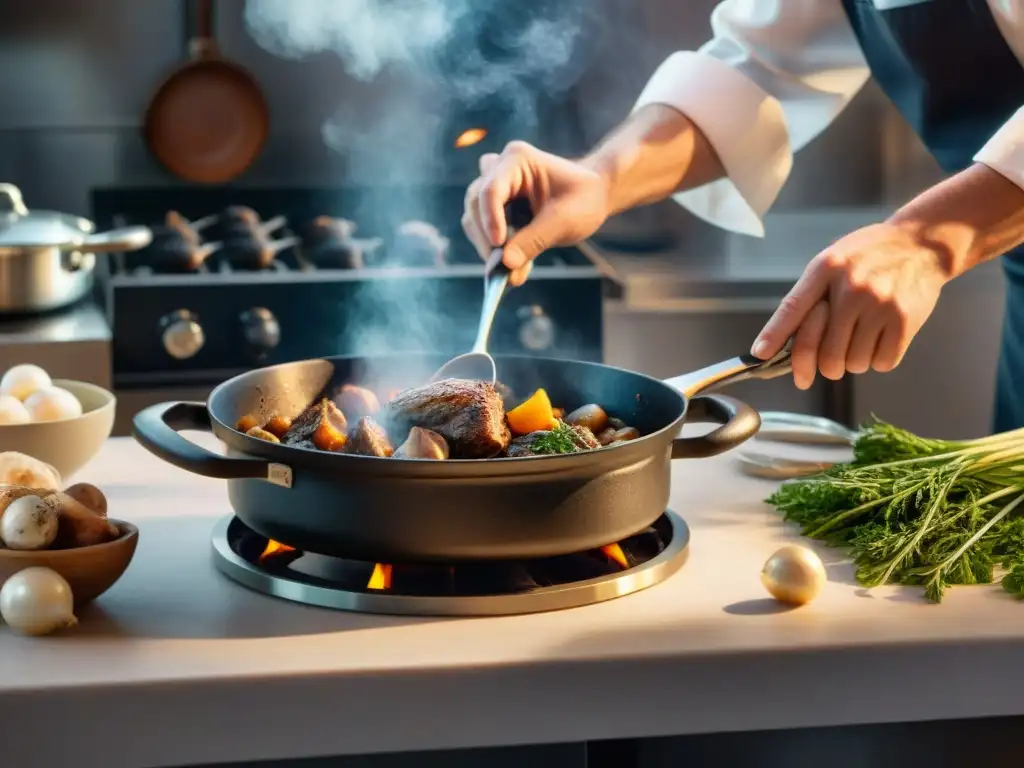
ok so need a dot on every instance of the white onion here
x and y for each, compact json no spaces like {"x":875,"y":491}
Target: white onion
{"x":12,"y":411}
{"x":37,"y":601}
{"x":794,"y":575}
{"x":52,"y":404}
{"x":29,"y":522}
{"x":22,"y":380}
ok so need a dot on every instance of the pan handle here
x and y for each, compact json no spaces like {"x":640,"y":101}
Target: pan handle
{"x":199,"y":22}
{"x":739,"y":423}
{"x":731,"y":371}
{"x":116,"y":240}
{"x":156,"y":429}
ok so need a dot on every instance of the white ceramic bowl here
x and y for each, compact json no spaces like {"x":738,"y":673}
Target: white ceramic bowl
{"x":67,"y":444}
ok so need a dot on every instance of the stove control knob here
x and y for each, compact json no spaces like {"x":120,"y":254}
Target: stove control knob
{"x":262,"y":331}
{"x":182,"y":334}
{"x":536,"y":329}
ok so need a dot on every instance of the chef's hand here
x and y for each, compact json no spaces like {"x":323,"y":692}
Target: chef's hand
{"x":858,"y":305}
{"x":569,"y":203}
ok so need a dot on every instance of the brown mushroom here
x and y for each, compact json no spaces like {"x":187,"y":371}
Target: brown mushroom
{"x":423,"y":444}
{"x":356,"y":402}
{"x":591,"y":416}
{"x":90,"y":496}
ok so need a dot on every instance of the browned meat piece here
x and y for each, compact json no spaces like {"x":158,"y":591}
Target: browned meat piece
{"x":356,"y":402}
{"x":321,"y":426}
{"x":562,"y":439}
{"x":469,"y":415}
{"x":369,"y":439}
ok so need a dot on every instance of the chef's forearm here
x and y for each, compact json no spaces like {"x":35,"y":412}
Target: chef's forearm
{"x":655,"y":153}
{"x":970,"y":218}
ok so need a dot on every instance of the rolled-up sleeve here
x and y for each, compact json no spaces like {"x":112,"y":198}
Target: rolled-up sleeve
{"x":1004,"y":152}
{"x":775,"y":74}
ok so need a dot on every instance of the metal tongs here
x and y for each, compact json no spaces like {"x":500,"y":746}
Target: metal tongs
{"x":797,"y":429}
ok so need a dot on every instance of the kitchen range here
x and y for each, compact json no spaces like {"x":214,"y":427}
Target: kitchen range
{"x":238,"y":278}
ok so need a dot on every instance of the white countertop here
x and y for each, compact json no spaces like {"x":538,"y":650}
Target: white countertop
{"x":178,"y":665}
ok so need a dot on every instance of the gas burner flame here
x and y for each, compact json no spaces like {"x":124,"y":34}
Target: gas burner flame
{"x":274,"y":548}
{"x":614,"y":553}
{"x":380,"y":578}
{"x":470,"y":137}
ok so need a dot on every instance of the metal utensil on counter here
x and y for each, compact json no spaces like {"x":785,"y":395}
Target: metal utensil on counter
{"x":782,"y":427}
{"x":779,"y":468}
{"x":797,"y":429}
{"x":477,"y":364}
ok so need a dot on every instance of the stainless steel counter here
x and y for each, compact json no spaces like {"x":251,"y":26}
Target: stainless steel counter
{"x":74,"y":344}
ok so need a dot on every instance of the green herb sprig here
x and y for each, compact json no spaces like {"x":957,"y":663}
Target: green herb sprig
{"x":559,"y":439}
{"x":918,"y":511}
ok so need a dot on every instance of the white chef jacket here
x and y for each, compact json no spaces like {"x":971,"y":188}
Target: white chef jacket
{"x":774,"y":76}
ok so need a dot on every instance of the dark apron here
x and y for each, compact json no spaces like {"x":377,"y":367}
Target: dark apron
{"x":946,"y":67}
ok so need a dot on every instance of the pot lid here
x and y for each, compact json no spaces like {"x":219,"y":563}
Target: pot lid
{"x":22,"y":228}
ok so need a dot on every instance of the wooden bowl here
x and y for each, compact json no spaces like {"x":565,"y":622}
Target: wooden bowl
{"x":68,"y":444}
{"x":90,"y":571}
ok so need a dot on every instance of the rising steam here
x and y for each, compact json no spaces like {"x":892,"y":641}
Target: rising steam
{"x":455,"y":55}
{"x":368,"y":34}
{"x":435,"y":61}
{"x":538,"y":36}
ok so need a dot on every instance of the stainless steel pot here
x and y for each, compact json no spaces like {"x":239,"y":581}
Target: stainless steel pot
{"x":47,"y":258}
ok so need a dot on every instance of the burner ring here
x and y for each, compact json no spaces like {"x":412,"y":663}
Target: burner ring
{"x":541,"y":599}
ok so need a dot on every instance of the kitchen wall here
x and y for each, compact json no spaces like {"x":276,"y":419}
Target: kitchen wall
{"x":75,"y":78}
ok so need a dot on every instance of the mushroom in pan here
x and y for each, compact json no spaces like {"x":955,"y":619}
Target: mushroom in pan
{"x":592,"y":416}
{"x":356,"y":402}
{"x":369,"y":439}
{"x":423,"y":444}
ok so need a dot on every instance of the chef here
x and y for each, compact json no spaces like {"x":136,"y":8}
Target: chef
{"x":717,"y":129}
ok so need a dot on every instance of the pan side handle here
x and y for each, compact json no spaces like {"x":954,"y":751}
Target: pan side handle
{"x":156,"y":429}
{"x":739,"y":423}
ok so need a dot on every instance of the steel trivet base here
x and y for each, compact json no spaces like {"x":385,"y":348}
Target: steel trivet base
{"x":296,"y":587}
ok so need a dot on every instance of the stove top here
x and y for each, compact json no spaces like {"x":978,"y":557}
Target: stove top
{"x":243,"y":277}
{"x":478,"y":589}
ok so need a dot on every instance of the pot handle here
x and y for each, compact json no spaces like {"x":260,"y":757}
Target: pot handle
{"x":15,"y":202}
{"x":731,"y":371}
{"x":123,"y":239}
{"x":156,"y":429}
{"x":739,"y":423}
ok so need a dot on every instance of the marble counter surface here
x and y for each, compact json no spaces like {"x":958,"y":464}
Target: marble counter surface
{"x":177,"y":665}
